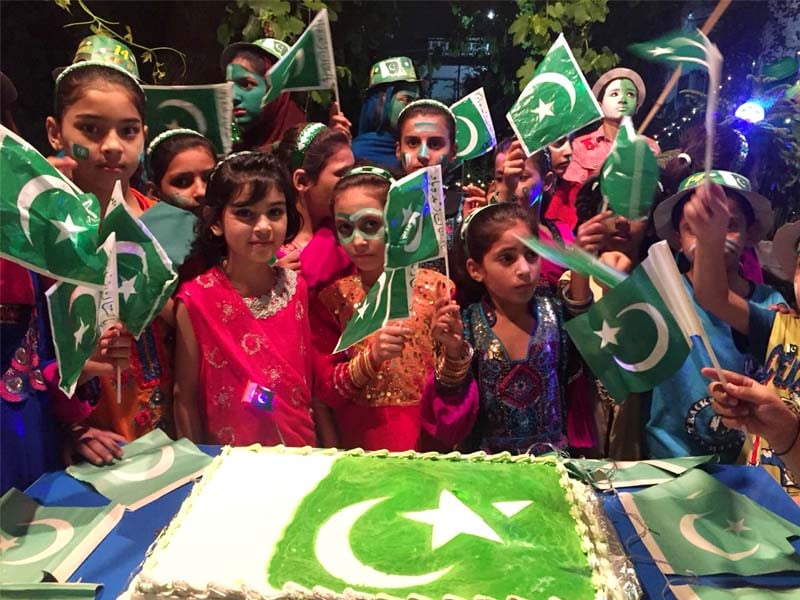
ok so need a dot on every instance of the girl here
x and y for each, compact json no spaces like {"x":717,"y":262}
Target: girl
{"x":509,"y":397}
{"x":179,"y":162}
{"x":427,"y":135}
{"x":99,"y":124}
{"x":376,"y":385}
{"x":243,"y":356}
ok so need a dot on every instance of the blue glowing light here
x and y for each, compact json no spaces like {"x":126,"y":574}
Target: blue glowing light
{"x":750,"y":111}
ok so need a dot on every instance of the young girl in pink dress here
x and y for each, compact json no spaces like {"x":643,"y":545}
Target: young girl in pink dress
{"x":243,"y":351}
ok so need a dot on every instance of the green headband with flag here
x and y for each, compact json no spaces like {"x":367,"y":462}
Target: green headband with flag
{"x":428,"y":102}
{"x":475,"y":134}
{"x":304,"y":139}
{"x":170,"y":133}
{"x":556,"y":102}
{"x":206,"y":109}
{"x":370,"y":170}
{"x":96,"y":63}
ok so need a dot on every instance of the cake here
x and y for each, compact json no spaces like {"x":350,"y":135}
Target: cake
{"x":301,"y":523}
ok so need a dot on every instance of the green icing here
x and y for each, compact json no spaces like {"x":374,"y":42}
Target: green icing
{"x":540,"y":555}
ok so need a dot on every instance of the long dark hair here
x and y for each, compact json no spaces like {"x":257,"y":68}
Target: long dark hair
{"x":159,"y":160}
{"x":324,"y":145}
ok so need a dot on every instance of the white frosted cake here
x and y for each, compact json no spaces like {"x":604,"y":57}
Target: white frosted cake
{"x":296,"y":523}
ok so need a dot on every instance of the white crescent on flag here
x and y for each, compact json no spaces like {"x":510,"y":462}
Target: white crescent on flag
{"x":166,"y":459}
{"x":30,"y":191}
{"x":473,"y":137}
{"x":688,"y":531}
{"x":64,"y":533}
{"x":136,"y":250}
{"x":662,"y":340}
{"x":196,"y":113}
{"x":560,"y":80}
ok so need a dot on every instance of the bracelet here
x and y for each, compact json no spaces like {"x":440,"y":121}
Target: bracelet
{"x":361,"y":369}
{"x":451,"y":372}
{"x":794,"y":440}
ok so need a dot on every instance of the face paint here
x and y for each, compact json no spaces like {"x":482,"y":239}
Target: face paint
{"x":80,"y":152}
{"x":423,"y":150}
{"x":619,"y":99}
{"x":426,"y":126}
{"x":364,"y":222}
{"x":180,"y":201}
{"x":402,"y":97}
{"x":248,"y":91}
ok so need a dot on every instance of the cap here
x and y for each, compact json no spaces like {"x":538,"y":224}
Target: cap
{"x":103,"y":49}
{"x":273,"y":48}
{"x":388,"y":70}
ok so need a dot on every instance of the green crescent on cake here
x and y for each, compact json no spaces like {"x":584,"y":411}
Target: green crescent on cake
{"x":297,"y":523}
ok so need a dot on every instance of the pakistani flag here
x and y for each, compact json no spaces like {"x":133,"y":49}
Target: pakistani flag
{"x":415,"y":219}
{"x":47,"y":223}
{"x":474,"y":128}
{"x":48,"y":591}
{"x":696,"y":525}
{"x":207,"y":109}
{"x":309,"y":63}
{"x":557,"y":101}
{"x":173,"y":228}
{"x":151,"y":466}
{"x":629,"y":339}
{"x":53,"y":539}
{"x":609,"y":474}
{"x":687,"y":49}
{"x":629,"y":176}
{"x":706,"y":592}
{"x":146,"y":277}
{"x":390,"y":298}
{"x":576,"y":259}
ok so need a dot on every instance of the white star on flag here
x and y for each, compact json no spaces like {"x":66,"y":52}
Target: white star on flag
{"x":545,"y":109}
{"x":362,"y":309}
{"x":67,"y":230}
{"x":607,"y":335}
{"x":451,"y":519}
{"x":658,"y":51}
{"x":737,"y":527}
{"x":80,"y":333}
{"x":127,"y":288}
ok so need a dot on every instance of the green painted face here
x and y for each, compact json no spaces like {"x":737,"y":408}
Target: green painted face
{"x":403,"y":95}
{"x":619,"y":99}
{"x":367,"y":222}
{"x":248,"y":90}
{"x":80,"y":152}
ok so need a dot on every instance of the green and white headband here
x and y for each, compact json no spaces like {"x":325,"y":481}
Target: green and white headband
{"x":165,"y":135}
{"x":96,"y":63}
{"x":304,"y":139}
{"x":370,"y":170}
{"x":427,"y":102}
{"x":465,"y":225}
{"x":229,"y":157}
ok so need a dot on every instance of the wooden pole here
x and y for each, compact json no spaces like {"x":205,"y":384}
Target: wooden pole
{"x":715,"y":15}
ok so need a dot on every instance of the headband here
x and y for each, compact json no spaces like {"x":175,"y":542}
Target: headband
{"x":304,"y":139}
{"x":96,"y":63}
{"x":165,"y":135}
{"x":370,"y":170}
{"x":427,"y":102}
{"x":465,"y":225}
{"x":227,"y":158}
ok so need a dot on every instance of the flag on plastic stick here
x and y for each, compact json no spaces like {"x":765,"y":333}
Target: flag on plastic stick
{"x":578,"y":260}
{"x":475,"y":134}
{"x":47,"y":224}
{"x":309,"y":63}
{"x":556,"y":102}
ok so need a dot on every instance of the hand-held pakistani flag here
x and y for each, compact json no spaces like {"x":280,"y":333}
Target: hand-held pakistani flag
{"x":309,"y":63}
{"x":474,"y":128}
{"x":150,"y":467}
{"x":47,"y":223}
{"x":695,"y":525}
{"x":146,"y":278}
{"x":630,"y":174}
{"x":53,"y":539}
{"x":576,"y":259}
{"x":207,"y":109}
{"x":557,"y":101}
{"x":389,"y":298}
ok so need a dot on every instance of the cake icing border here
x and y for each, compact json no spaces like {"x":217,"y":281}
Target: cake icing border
{"x":583,"y":505}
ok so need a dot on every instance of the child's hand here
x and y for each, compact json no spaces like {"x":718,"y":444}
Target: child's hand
{"x":707,"y":215}
{"x":337,"y":120}
{"x":512,"y":168}
{"x":65,"y":164}
{"x":389,"y":342}
{"x":617,"y":260}
{"x":290,"y":261}
{"x":98,"y":446}
{"x":592,"y":234}
{"x":474,"y":198}
{"x":447,"y":328}
{"x":113,"y":350}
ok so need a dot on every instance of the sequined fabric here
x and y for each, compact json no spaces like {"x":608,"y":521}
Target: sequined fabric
{"x":521,"y":401}
{"x":24,"y":372}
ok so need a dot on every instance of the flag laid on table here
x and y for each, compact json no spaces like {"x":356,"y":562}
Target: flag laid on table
{"x":151,"y":466}
{"x":608,"y":474}
{"x":389,"y":298}
{"x":556,"y":102}
{"x":48,"y":224}
{"x":474,"y":128}
{"x":53,"y":539}
{"x":576,"y":259}
{"x":707,"y":592}
{"x":696,"y":525}
{"x":207,"y":109}
{"x":687,"y":49}
{"x":629,"y":176}
{"x":49,"y":591}
{"x":629,"y":339}
{"x":146,"y":277}
{"x":415,"y":219}
{"x":309,"y":63}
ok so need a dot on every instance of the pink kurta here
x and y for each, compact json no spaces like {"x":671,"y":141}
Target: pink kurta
{"x":255,"y":373}
{"x":589,"y":152}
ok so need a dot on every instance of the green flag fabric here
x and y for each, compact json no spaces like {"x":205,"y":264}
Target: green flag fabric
{"x":706,"y":592}
{"x":609,"y":474}
{"x":389,"y":298}
{"x":696,"y":525}
{"x":474,"y":128}
{"x":556,"y":102}
{"x":629,"y":176}
{"x":146,"y":277}
{"x":47,"y":223}
{"x":48,"y":591}
{"x":207,"y":109}
{"x":629,"y":339}
{"x":53,"y":539}
{"x":309,"y":63}
{"x":415,"y":219}
{"x":574,"y":258}
{"x":688,"y":49}
{"x":173,"y":228}
{"x":150,"y":467}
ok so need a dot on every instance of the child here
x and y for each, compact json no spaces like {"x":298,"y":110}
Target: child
{"x":681,"y":421}
{"x":99,"y":124}
{"x":510,"y":395}
{"x":427,"y":136}
{"x":243,"y":350}
{"x":376,"y":385}
{"x":179,"y":162}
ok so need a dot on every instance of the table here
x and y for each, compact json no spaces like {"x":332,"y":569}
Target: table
{"x":120,"y":555}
